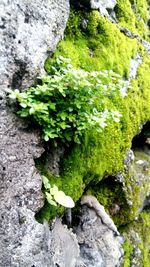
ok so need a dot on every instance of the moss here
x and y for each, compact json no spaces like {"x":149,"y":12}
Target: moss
{"x":101,"y":154}
{"x":125,"y":14}
{"x":73,"y":25}
{"x":128,"y":249}
{"x":133,"y":15}
{"x":98,"y":47}
{"x":136,"y":246}
{"x":70,"y":183}
{"x":140,"y":7}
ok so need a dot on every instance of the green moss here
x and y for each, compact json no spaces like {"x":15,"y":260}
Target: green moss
{"x":133,"y":15}
{"x":98,"y":47}
{"x":128,"y":249}
{"x":140,"y":7}
{"x":70,"y":183}
{"x":101,"y":154}
{"x":125,"y":14}
{"x":136,"y":246}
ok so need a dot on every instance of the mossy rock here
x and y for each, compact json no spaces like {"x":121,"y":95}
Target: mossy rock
{"x":137,"y":241}
{"x":100,"y":46}
{"x":133,"y":15}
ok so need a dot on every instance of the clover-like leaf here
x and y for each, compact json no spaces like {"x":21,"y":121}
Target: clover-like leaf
{"x":49,"y":199}
{"x":54,"y":190}
{"x":64,"y":200}
{"x":46,"y":182}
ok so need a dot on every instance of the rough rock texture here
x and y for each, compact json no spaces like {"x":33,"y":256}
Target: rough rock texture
{"x":96,"y":4}
{"x":99,"y":246}
{"x":106,"y":8}
{"x":64,"y":246}
{"x":28,"y":29}
{"x":93,"y":203}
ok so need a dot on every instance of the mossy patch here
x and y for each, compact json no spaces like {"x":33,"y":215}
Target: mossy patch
{"x":98,"y":46}
{"x":137,"y":242}
{"x":101,"y":154}
{"x":94,"y":43}
{"x":133,"y":14}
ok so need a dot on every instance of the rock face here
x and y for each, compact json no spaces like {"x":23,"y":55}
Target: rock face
{"x":96,"y":4}
{"x":64,"y":246}
{"x":103,"y":7}
{"x":28,"y":30}
{"x":99,"y":246}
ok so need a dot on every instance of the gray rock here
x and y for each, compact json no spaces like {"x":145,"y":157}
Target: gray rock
{"x":93,"y":203}
{"x":105,"y":6}
{"x":28,"y":30}
{"x":129,"y":158}
{"x":64,"y":246}
{"x":99,"y":245}
{"x":134,"y":65}
{"x":96,"y":4}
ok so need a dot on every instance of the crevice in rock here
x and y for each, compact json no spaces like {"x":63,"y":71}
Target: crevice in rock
{"x":49,"y":164}
{"x":142,"y":140}
{"x":19,"y":73}
{"x":111,"y":195}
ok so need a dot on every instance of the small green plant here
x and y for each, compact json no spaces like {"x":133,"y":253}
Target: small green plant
{"x":54,"y":196}
{"x":68,"y":102}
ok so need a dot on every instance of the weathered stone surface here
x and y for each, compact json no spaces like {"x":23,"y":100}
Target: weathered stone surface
{"x":99,"y":246}
{"x":64,"y":246}
{"x":28,"y":30}
{"x":105,"y":6}
{"x":96,"y":4}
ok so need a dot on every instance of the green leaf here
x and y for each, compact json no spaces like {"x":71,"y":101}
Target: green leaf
{"x":54,"y":190}
{"x":64,"y":200}
{"x":52,"y":106}
{"x":46,"y":138}
{"x":23,"y":105}
{"x":14,"y":94}
{"x":31,"y":111}
{"x":63,"y":125}
{"x":50,"y":200}
{"x":69,"y":101}
{"x":46,"y":182}
{"x":62,"y":115}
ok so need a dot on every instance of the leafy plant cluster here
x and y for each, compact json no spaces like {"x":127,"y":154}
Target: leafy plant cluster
{"x":67,"y":102}
{"x":54,"y":196}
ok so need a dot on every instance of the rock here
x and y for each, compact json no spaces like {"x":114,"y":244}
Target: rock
{"x":93,"y":203}
{"x":134,"y":65}
{"x":64,"y":246}
{"x":128,"y":159}
{"x":99,"y":245}
{"x":28,"y":30}
{"x":105,"y":8}
{"x":96,"y":4}
{"x":137,"y":185}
